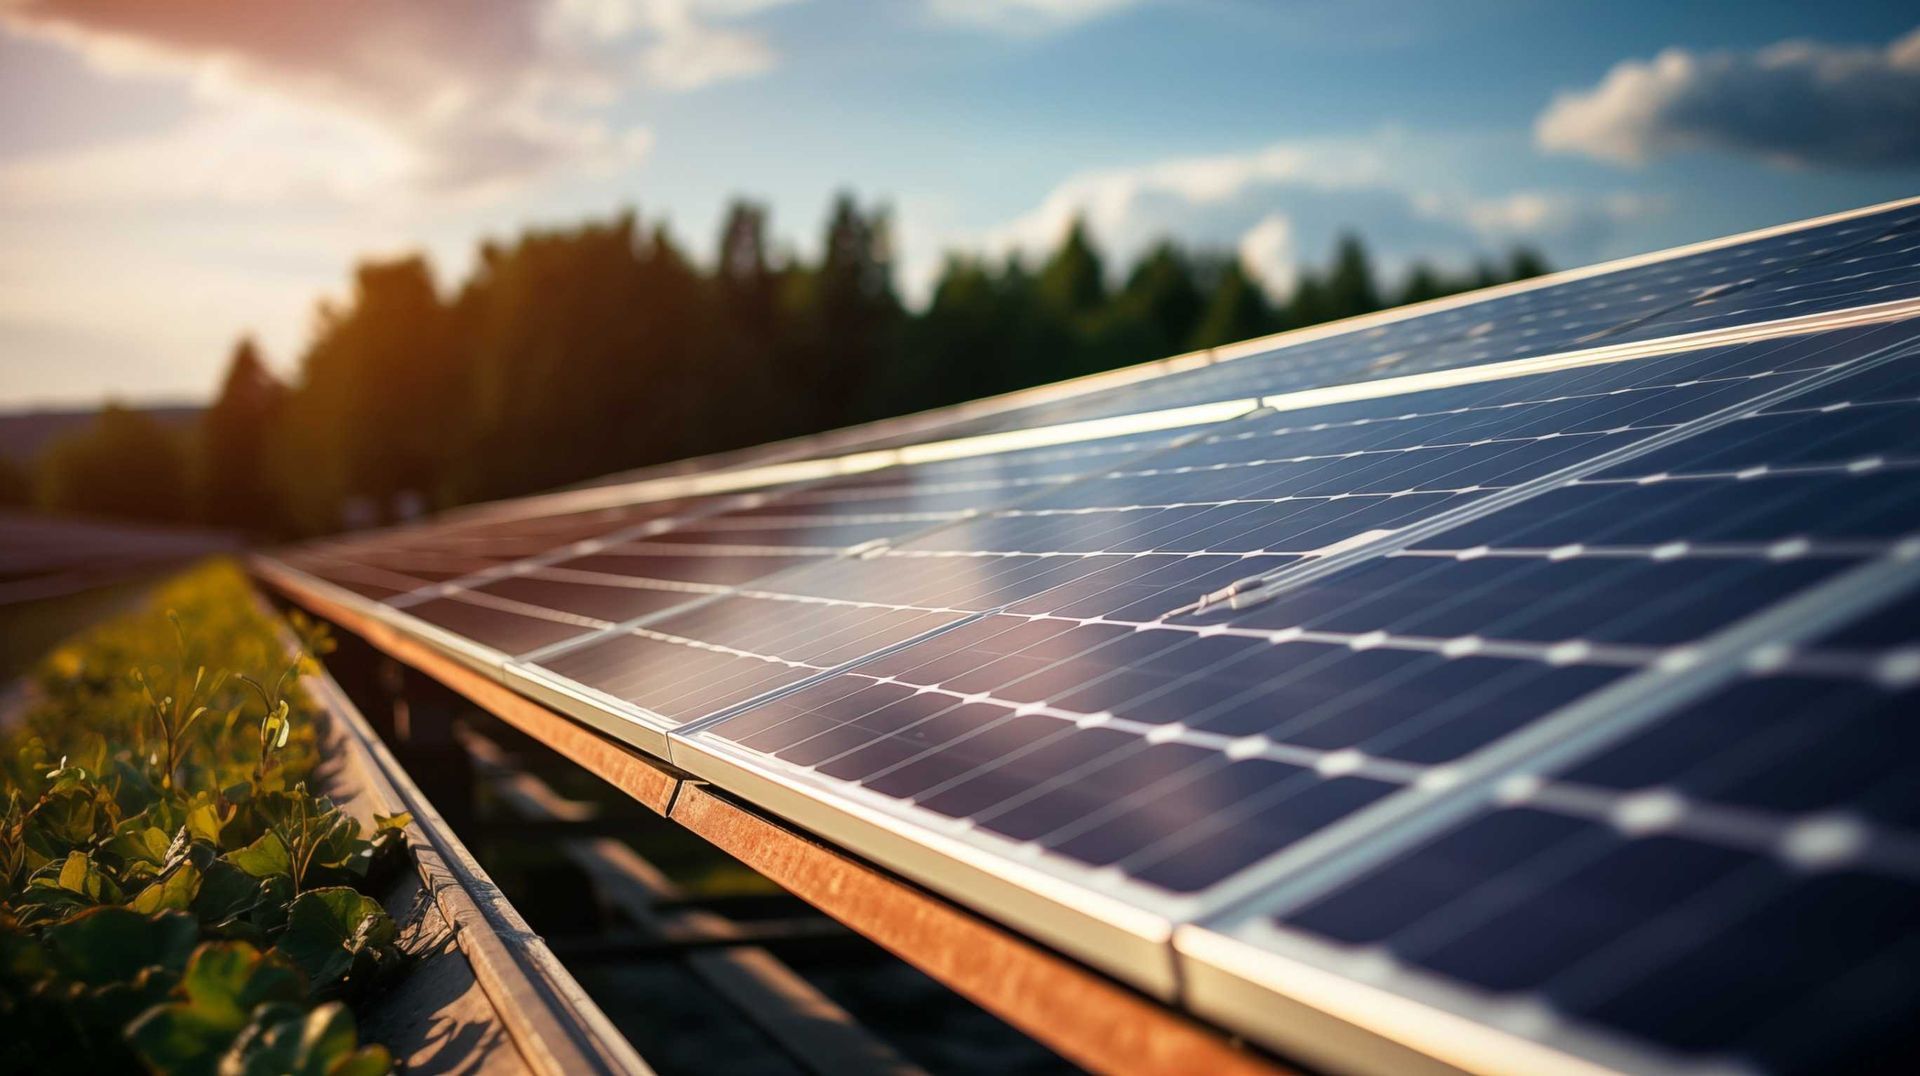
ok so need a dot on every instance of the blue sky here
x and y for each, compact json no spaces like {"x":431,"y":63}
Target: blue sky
{"x":173,"y":174}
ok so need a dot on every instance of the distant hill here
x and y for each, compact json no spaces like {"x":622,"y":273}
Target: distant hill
{"x":24,"y":433}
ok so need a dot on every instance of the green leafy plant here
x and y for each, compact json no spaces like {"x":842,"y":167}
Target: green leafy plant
{"x":171,"y":893}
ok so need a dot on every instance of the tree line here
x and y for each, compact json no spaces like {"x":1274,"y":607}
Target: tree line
{"x":571,"y":353}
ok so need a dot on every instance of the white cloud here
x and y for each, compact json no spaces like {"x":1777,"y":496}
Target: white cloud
{"x":476,"y":94}
{"x":1797,"y":103}
{"x":1025,"y":17}
{"x":1267,"y":252}
{"x":250,"y":154}
{"x":1580,"y":222}
{"x":1279,"y":205}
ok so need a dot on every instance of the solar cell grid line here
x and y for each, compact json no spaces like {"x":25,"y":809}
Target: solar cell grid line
{"x":508,"y":608}
{"x":436,"y":553}
{"x":496,"y":613}
{"x":1860,"y":350}
{"x":1884,"y":267}
{"x":472,"y":631}
{"x":480,"y":630}
{"x":1046,"y":688}
{"x":1759,"y":812}
{"x":913,"y":505}
{"x":769,"y":514}
{"x":626,"y":524}
{"x":833,"y":584}
{"x":735,"y":643}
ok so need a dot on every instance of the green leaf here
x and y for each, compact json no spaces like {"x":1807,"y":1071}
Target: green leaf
{"x":329,"y":929}
{"x":225,"y":985}
{"x":62,"y":822}
{"x":180,"y":1040}
{"x":226,"y":891}
{"x":111,"y":944}
{"x":75,"y":879}
{"x":263,"y":858}
{"x":203,"y":823}
{"x":327,"y":1035}
{"x":79,"y":875}
{"x":270,"y":908}
{"x":384,"y":822}
{"x":174,"y":892}
{"x":143,"y":848}
{"x":323,"y":1044}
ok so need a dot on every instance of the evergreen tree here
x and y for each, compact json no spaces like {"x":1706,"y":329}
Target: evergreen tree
{"x":1524,"y":263}
{"x":382,"y":400}
{"x":852,"y":315}
{"x":16,"y":485}
{"x":1309,"y":304}
{"x":1350,"y":288}
{"x":1422,"y":283}
{"x":960,"y":346}
{"x":585,"y":352}
{"x":1237,"y":310}
{"x":235,"y":434}
{"x":748,"y":346}
{"x":1156,"y":311}
{"x":124,"y":464}
{"x":1072,"y":283}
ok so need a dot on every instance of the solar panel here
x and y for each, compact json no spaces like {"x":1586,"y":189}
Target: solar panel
{"x":1246,"y":731}
{"x":1837,"y":266}
{"x":1729,"y":880}
{"x":1486,"y":686}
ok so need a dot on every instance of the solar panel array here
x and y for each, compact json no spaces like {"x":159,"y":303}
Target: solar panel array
{"x":1519,"y":683}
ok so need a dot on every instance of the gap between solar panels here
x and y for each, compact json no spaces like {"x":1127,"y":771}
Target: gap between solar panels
{"x":1253,"y":590}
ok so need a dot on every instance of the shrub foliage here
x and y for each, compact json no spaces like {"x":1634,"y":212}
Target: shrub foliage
{"x":172,"y":894}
